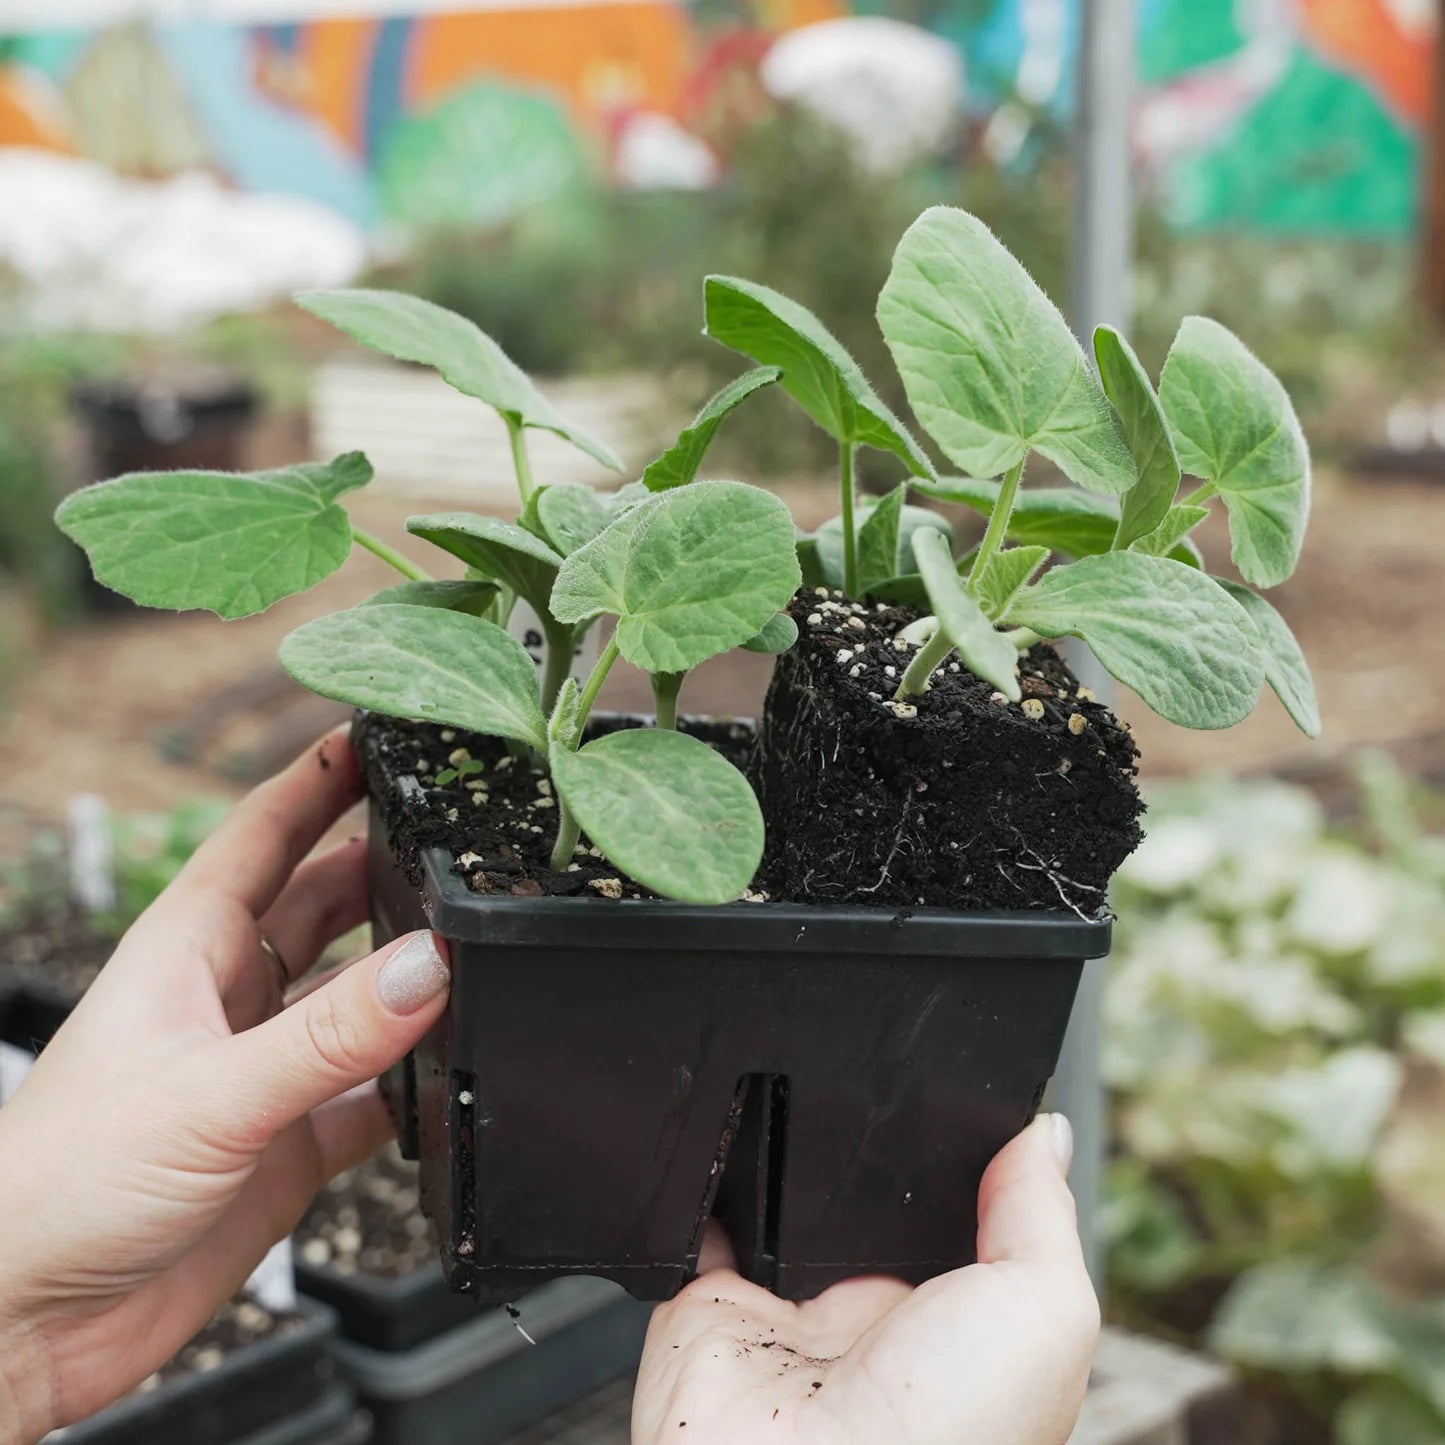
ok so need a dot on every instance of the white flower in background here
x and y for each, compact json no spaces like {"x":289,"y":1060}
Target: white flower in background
{"x":655,"y":153}
{"x":893,"y":89}
{"x":1344,"y":903}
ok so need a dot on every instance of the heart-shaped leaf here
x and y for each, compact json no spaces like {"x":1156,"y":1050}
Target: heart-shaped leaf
{"x":669,"y":811}
{"x":424,"y":663}
{"x":678,"y":465}
{"x":1234,"y":425}
{"x":230,"y":542}
{"x":1285,"y":668}
{"x":1005,"y":575}
{"x":493,"y":548}
{"x":690,"y":573}
{"x":986,"y":650}
{"x":1165,"y":630}
{"x":1063,"y":519}
{"x":1126,"y":384}
{"x":565,"y":516}
{"x":879,"y":539}
{"x":828,"y":540}
{"x":411,"y":329}
{"x":818,"y":373}
{"x":778,"y":634}
{"x":475,"y":598}
{"x":1179,"y":521}
{"x":991,"y":368}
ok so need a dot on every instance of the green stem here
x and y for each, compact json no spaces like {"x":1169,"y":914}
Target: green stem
{"x":850,"y":536}
{"x":561,"y":643}
{"x":516,"y":434}
{"x":1200,"y":495}
{"x":593,"y":685}
{"x":569,"y":830}
{"x":665,"y":688}
{"x":997,"y":524}
{"x":389,"y":555}
{"x":928,"y":657}
{"x":1023,"y":638}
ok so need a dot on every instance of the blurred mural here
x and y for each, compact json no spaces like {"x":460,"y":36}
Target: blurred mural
{"x":1281,"y":115}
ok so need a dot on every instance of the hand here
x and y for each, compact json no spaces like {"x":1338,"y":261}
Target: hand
{"x":182,"y":1120}
{"x":997,"y":1353}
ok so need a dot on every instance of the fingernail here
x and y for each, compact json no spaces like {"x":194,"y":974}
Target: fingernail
{"x":413,"y":976}
{"x":1061,"y":1136}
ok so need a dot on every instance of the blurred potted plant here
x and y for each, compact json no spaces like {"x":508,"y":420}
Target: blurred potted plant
{"x":829,"y":1063}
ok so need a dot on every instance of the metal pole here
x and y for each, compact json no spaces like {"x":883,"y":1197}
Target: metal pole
{"x":1102,"y":254}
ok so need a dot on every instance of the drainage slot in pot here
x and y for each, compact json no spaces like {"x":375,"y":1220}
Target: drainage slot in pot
{"x":750,"y":1194}
{"x":464,"y":1173}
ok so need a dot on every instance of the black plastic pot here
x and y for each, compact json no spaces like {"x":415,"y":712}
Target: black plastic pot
{"x":276,"y":1391}
{"x":387,"y":1314}
{"x":830,"y":1082}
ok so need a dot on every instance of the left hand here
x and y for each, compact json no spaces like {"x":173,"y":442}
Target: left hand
{"x":182,"y":1120}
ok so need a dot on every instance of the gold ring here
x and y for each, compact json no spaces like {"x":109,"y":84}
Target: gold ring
{"x":283,"y":974}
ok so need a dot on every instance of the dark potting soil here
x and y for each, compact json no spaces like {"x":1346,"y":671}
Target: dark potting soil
{"x":60,"y":953}
{"x":958,"y":799}
{"x":368,"y":1220}
{"x":241,"y":1321}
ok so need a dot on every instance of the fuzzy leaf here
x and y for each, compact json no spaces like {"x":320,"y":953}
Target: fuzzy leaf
{"x":471,"y":597}
{"x":1234,"y":425}
{"x":230,"y":542}
{"x":879,"y":536}
{"x":1165,"y":630}
{"x":1179,"y":521}
{"x":492,"y":548}
{"x":1126,"y":384}
{"x":810,"y":561}
{"x":986,"y":651}
{"x":565,"y":516}
{"x":1005,"y":575}
{"x":818,"y":373}
{"x":1285,"y":668}
{"x":411,"y":329}
{"x":678,"y":465}
{"x":424,"y":663}
{"x":691,"y":573}
{"x":990,"y":366}
{"x":777,"y":635}
{"x":667,"y":810}
{"x":562,"y":727}
{"x":1063,"y":519}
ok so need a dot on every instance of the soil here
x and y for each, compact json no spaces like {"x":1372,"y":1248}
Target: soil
{"x":240,"y":1322}
{"x":959,"y":801}
{"x":369,"y":1220}
{"x":58,"y":953}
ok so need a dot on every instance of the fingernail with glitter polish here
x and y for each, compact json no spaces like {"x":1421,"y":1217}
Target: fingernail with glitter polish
{"x":413,"y":976}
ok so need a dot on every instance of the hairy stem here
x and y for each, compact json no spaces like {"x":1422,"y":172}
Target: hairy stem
{"x":846,"y":453}
{"x":1200,"y":495}
{"x":561,"y":643}
{"x":569,"y":830}
{"x":1023,"y":638}
{"x":665,"y":688}
{"x":389,"y":555}
{"x":997,"y":524}
{"x":521,"y":463}
{"x":925,"y":661}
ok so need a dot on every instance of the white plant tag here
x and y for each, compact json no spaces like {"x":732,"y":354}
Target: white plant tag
{"x":15,"y":1063}
{"x":526,"y":627}
{"x":92,"y":853}
{"x":273,"y":1283}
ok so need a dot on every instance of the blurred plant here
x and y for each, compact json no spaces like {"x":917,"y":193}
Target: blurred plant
{"x":1272,"y":985}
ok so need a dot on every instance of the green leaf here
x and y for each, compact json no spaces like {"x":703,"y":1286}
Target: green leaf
{"x":678,"y":465}
{"x":810,"y":561}
{"x":829,"y":539}
{"x":1005,"y":575}
{"x":1285,"y":668}
{"x":565,"y":516}
{"x":493,"y":548}
{"x":1386,"y":1415}
{"x":818,"y":373}
{"x":1234,"y":425}
{"x":473,"y":597}
{"x":690,"y":573}
{"x":230,"y":542}
{"x":1170,"y":633}
{"x":423,"y":663}
{"x":1126,"y":384}
{"x":777,"y":635}
{"x":879,"y":536}
{"x":990,"y":366}
{"x":669,"y":811}
{"x":627,"y":496}
{"x":411,"y":329}
{"x":1179,"y":521}
{"x":1063,"y":519}
{"x":986,"y":651}
{"x":563,"y":727}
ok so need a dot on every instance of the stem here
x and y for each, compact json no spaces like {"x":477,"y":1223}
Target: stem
{"x":560,"y":644}
{"x":1023,"y":638}
{"x":925,"y":660}
{"x":569,"y":830}
{"x":850,"y":537}
{"x":997,"y":524}
{"x":516,"y":434}
{"x":1200,"y":495}
{"x":594,"y":683}
{"x":665,"y":688}
{"x":389,"y":555}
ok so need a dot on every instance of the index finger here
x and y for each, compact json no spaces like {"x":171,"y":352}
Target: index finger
{"x":256,"y":849}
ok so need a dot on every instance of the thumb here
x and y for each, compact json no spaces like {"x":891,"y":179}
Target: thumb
{"x":1025,"y":1210}
{"x":338,"y":1036}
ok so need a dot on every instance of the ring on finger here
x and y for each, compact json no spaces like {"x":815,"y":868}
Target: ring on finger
{"x":283,"y":974}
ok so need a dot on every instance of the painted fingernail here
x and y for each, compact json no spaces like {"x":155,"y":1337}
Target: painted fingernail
{"x":1061,"y":1137}
{"x":413,"y":976}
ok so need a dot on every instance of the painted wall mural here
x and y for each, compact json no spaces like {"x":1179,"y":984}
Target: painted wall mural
{"x":1284,"y":115}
